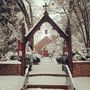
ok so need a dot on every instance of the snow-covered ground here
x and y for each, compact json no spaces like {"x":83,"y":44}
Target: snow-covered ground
{"x":46,"y":66}
{"x":11,"y":82}
{"x":82,"y":83}
{"x":10,"y":62}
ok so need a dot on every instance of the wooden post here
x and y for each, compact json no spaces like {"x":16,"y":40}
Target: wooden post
{"x":21,"y":49}
{"x":32,"y":41}
{"x":23,"y":60}
{"x":21,"y":54}
{"x":69,"y":47}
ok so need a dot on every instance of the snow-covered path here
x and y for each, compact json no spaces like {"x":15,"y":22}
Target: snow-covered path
{"x":46,"y":66}
{"x":50,"y":67}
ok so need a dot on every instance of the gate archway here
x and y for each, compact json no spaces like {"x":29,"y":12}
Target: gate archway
{"x":30,"y":37}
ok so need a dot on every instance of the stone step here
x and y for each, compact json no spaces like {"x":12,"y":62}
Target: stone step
{"x":52,"y":68}
{"x":44,"y":80}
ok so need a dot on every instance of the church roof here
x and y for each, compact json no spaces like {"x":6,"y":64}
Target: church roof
{"x":42,"y":43}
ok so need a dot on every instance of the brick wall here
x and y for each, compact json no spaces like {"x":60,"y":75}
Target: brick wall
{"x":10,"y":69}
{"x":81,"y":68}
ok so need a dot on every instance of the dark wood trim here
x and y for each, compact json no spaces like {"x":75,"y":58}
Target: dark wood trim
{"x":49,"y":86}
{"x":23,"y":61}
{"x":45,"y":18}
{"x":22,"y":58}
{"x":56,"y":75}
{"x":69,"y":46}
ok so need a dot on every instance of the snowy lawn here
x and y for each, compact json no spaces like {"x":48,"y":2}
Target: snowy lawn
{"x":82,"y":83}
{"x":11,"y":82}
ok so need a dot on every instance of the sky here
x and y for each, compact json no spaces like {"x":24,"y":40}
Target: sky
{"x":39,"y":3}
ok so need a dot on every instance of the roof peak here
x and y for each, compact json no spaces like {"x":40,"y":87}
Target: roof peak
{"x":45,"y":6}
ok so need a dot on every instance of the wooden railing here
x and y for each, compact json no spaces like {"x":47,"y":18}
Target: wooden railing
{"x":26,"y":78}
{"x":69,"y":79}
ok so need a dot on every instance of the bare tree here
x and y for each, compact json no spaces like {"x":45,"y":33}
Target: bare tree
{"x":24,"y":11}
{"x":30,"y":12}
{"x":8,"y":21}
{"x":81,"y":8}
{"x":78,"y":12}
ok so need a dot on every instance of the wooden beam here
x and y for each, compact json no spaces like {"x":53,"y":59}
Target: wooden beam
{"x":56,"y":27}
{"x":34,"y":29}
{"x":45,"y":18}
{"x":69,"y":46}
{"x":23,"y":51}
{"x":23,"y":61}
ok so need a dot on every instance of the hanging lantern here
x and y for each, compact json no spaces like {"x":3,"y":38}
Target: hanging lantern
{"x":46,"y":31}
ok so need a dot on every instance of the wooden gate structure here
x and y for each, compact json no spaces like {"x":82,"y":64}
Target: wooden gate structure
{"x":30,"y":37}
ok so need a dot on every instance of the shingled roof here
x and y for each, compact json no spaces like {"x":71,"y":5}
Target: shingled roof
{"x":41,"y":44}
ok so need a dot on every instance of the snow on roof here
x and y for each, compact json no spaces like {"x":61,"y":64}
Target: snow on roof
{"x":38,"y":22}
{"x":32,"y":28}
